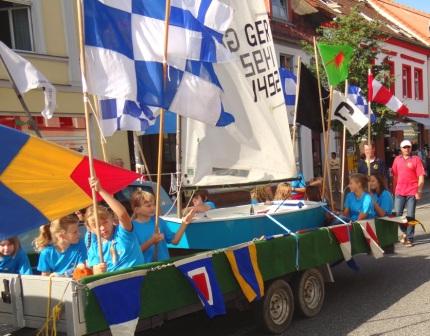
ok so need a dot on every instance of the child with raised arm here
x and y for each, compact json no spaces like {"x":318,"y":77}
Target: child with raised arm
{"x":120,"y":246}
{"x":143,"y":206}
{"x":13,"y":258}
{"x":61,"y":250}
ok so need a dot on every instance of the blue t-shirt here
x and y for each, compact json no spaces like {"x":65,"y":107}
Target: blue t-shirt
{"x":359,"y":205}
{"x":53,"y":261}
{"x":121,"y":251}
{"x":210,"y":204}
{"x":385,"y":201}
{"x":18,"y":264}
{"x":145,"y":230}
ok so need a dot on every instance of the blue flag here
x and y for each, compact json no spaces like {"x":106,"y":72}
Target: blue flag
{"x":289,"y":83}
{"x":124,"y":52}
{"x":354,"y":93}
{"x":120,"y":311}
{"x":200,"y":273}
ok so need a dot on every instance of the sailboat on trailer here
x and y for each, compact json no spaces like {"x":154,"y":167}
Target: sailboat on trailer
{"x":256,"y":148}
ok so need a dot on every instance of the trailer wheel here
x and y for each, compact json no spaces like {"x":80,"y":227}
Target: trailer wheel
{"x":309,"y":292}
{"x":275,"y":310}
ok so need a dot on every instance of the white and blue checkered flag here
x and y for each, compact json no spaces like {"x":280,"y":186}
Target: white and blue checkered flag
{"x":289,"y":84}
{"x":354,"y":93}
{"x":124,"y":53}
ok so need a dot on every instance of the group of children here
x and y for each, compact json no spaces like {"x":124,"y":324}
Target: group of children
{"x":129,"y":242}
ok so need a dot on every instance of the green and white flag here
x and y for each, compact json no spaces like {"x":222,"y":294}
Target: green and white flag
{"x":336,"y":60}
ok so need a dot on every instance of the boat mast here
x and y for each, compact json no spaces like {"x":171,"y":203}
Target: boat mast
{"x":178,"y":165}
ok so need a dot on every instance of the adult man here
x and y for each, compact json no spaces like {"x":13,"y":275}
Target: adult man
{"x":334,"y":164}
{"x":408,"y":175}
{"x":371,"y":162}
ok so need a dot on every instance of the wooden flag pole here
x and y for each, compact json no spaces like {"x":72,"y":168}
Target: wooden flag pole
{"x":369,"y":130}
{"x":161,"y":135}
{"x":102,"y":143}
{"x":296,"y":103}
{"x":322,"y":113}
{"x":33,"y":123}
{"x":327,"y":147}
{"x":342,"y":174}
{"x":87,"y":126}
{"x":178,"y":165}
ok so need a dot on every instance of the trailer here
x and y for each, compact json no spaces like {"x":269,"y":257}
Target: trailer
{"x":294,"y":269}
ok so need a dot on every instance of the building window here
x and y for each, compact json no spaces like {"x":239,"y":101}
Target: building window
{"x":280,"y":9}
{"x":15,"y":25}
{"x":418,"y":83}
{"x":407,"y":81}
{"x":287,"y":62}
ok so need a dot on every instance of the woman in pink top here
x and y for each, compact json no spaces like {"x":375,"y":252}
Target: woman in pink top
{"x":408,"y":173}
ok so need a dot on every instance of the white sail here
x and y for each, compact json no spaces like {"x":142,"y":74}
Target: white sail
{"x":257,"y":146}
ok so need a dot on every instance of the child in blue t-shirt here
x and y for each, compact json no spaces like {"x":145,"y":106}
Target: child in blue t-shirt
{"x":200,"y":202}
{"x":13,"y":258}
{"x":382,"y":198}
{"x":120,"y":246}
{"x":143,"y":206}
{"x":60,"y":247}
{"x":358,"y":203}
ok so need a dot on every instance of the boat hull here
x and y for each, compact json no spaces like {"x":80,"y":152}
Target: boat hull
{"x":224,"y":227}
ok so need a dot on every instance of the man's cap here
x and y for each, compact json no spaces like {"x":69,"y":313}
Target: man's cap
{"x":405,"y":143}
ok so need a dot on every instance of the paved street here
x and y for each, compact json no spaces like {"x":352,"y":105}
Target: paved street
{"x":389,"y":297}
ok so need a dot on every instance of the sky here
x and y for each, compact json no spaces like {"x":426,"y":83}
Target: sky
{"x":423,"y":5}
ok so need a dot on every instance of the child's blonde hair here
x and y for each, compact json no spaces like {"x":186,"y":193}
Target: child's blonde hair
{"x":102,"y":212}
{"x":48,"y":232}
{"x":260,"y":193}
{"x":140,"y":197}
{"x":283,"y":191}
{"x":15,"y":242}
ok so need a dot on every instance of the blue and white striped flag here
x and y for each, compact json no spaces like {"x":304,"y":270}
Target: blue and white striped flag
{"x":124,"y":53}
{"x":119,"y":298}
{"x":354,"y":93}
{"x":289,"y":84}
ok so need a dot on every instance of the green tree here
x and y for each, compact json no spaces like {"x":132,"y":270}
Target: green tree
{"x":365,"y":37}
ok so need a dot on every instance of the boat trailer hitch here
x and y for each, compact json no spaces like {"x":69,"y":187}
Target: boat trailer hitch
{"x":5,"y":295}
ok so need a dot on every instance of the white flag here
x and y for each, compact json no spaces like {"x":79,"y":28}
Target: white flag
{"x":27,"y":77}
{"x":344,"y":110}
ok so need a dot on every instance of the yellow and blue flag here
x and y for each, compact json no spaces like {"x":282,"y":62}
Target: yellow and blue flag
{"x":41,"y":181}
{"x":244,"y":264}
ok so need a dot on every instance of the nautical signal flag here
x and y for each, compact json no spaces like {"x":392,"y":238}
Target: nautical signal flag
{"x":369,"y":232}
{"x":200,"y":273}
{"x":336,"y":60}
{"x":120,"y":311}
{"x":244,"y":265}
{"x":343,"y":237}
{"x":344,"y":110}
{"x":378,"y":93}
{"x":41,"y":181}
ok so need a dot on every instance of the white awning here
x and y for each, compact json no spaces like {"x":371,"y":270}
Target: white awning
{"x":423,"y":121}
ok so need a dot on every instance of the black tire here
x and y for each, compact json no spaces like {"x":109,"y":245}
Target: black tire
{"x":275,"y":310}
{"x":309,"y":292}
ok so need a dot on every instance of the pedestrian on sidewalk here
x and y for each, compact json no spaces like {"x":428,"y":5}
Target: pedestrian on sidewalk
{"x":334,"y":163}
{"x":408,"y":175}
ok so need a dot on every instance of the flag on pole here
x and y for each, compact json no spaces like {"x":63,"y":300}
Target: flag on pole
{"x":120,"y":311}
{"x":378,"y":93}
{"x":200,"y":273}
{"x":41,"y":181}
{"x":369,"y":232}
{"x":124,"y":55}
{"x":347,"y":113}
{"x":289,"y":85}
{"x":308,"y":106}
{"x":336,"y":60}
{"x":355,"y":94}
{"x":343,"y":237}
{"x":27,"y":77}
{"x":244,"y":265}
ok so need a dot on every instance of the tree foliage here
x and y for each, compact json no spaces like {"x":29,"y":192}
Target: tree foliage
{"x":366,"y":38}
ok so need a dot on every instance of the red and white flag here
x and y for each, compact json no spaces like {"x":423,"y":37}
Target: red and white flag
{"x":343,"y":238}
{"x":369,"y":232}
{"x":378,"y":93}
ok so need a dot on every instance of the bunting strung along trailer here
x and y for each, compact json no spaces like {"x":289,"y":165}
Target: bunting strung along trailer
{"x":166,"y":294}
